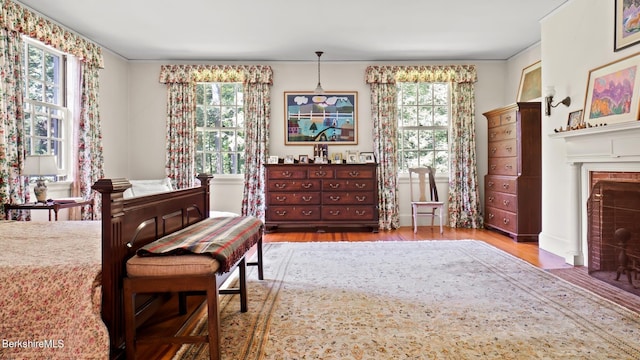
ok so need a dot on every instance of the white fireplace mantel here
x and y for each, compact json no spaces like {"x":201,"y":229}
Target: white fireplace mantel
{"x":609,"y":143}
{"x":613,"y":147}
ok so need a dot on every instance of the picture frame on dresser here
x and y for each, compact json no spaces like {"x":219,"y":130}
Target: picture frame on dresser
{"x":626,"y":13}
{"x":330,"y":118}
{"x":613,"y":91}
{"x":530,"y":88}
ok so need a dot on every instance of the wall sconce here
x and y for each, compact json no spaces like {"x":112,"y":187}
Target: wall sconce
{"x":551,"y":91}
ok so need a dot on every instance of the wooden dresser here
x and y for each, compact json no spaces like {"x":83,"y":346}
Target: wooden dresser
{"x":513,"y":185}
{"x":321,"y":196}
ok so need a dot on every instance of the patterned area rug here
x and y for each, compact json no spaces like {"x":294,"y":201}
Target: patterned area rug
{"x":416,"y":300}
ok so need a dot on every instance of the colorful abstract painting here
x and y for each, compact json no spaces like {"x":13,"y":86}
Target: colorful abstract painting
{"x":612,"y":93}
{"x":627,"y":23}
{"x":327,"y":118}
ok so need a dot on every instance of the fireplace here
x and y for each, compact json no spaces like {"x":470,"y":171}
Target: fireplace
{"x":613,"y":232}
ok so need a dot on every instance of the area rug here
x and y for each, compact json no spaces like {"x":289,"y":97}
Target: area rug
{"x":416,"y":300}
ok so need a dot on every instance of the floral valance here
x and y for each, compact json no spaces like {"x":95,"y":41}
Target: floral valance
{"x":17,"y":18}
{"x":426,"y":73}
{"x":216,"y":73}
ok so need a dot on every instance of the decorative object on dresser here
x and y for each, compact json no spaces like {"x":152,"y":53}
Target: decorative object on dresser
{"x":321,"y":196}
{"x":513,"y":194}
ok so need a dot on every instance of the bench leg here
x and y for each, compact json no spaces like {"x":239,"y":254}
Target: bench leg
{"x":213,"y":321}
{"x":129,"y":320}
{"x":243,"y":285}
{"x":259,"y":262}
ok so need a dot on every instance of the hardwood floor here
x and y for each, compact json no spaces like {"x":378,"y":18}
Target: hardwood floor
{"x":165,"y":322}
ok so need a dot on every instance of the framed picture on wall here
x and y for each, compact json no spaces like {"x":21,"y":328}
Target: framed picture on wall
{"x":330,"y":118}
{"x":613,"y":92}
{"x":530,"y":88}
{"x":627,"y":24}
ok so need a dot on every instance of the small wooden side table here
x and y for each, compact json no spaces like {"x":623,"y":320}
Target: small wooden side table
{"x":54,"y":205}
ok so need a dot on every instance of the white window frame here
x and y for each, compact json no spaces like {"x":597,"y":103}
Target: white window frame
{"x":439,"y":172}
{"x":30,"y":106}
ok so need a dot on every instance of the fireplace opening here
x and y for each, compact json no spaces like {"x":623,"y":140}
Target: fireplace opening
{"x":613,"y":233}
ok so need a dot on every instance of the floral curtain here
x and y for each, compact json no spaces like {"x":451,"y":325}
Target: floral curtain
{"x":464,"y":204}
{"x":19,"y":20}
{"x":181,"y":135}
{"x":256,"y":81}
{"x":13,"y":187}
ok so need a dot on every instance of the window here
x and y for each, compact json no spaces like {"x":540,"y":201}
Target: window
{"x":423,"y":123}
{"x":219,"y":128}
{"x":45,"y":116}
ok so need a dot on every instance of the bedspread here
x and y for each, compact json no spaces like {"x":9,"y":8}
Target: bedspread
{"x":50,"y":296}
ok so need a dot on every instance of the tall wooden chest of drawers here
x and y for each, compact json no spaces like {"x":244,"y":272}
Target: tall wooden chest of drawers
{"x":513,"y":185}
{"x":321,"y":196}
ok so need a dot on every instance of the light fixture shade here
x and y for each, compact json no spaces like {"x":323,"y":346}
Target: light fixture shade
{"x":319,"y":90}
{"x":40,"y":165}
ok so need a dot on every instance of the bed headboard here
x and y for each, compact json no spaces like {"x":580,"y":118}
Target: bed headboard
{"x":127,"y":225}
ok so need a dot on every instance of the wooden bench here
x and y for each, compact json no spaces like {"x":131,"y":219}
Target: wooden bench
{"x":190,"y":260}
{"x":128,"y":224}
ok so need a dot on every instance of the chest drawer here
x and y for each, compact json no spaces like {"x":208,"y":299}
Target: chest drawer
{"x":502,"y":201}
{"x":358,"y":198}
{"x":355,"y":172}
{"x":501,"y":219}
{"x":501,"y":184}
{"x":321,"y":173}
{"x":348,"y":213}
{"x":503,"y":148}
{"x":296,"y":185}
{"x":503,"y":166}
{"x":286,"y":172}
{"x":292,"y":213}
{"x":502,"y":132}
{"x":292,"y":198}
{"x":348,"y":185}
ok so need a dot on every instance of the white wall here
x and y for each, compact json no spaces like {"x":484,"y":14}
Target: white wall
{"x":142,"y":150}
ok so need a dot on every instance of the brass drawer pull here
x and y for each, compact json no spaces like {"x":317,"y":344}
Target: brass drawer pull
{"x":334,"y":186}
{"x":505,"y":221}
{"x":493,"y":150}
{"x":281,"y":212}
{"x":491,"y":216}
{"x":361,"y":186}
{"x":509,"y":148}
{"x":281,"y":198}
{"x":321,"y":173}
{"x":360,"y":213}
{"x":307,"y":198}
{"x":280,"y":185}
{"x":361,"y":198}
{"x":490,"y":184}
{"x":506,"y":202}
{"x":354,"y":173}
{"x":307,"y":212}
{"x":334,"y":198}
{"x":490,"y":199}
{"x":286,"y":173}
{"x":505,"y":185}
{"x":508,"y":167}
{"x":307,"y":185}
{"x":334,"y":212}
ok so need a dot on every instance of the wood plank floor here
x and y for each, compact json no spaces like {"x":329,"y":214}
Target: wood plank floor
{"x":165,"y":322}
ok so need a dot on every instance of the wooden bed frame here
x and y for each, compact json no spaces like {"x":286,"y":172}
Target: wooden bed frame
{"x":127,"y":225}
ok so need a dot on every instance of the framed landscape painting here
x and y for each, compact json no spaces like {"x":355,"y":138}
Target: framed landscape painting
{"x":530,"y":88}
{"x":612,"y":92}
{"x":330,"y":118}
{"x":627,"y":24}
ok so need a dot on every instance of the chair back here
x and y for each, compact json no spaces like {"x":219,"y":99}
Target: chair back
{"x":424,"y":176}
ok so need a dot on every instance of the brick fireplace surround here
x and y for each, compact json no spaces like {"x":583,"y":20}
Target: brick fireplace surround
{"x":606,"y":164}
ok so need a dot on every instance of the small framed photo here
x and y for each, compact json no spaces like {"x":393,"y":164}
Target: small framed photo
{"x":303,"y":159}
{"x":367,"y":157}
{"x":575,"y":119}
{"x":319,"y":160}
{"x":273,"y":159}
{"x":288,"y":159}
{"x":353,"y":157}
{"x":336,"y":158}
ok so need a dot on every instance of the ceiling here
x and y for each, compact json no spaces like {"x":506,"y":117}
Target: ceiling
{"x":285,"y":30}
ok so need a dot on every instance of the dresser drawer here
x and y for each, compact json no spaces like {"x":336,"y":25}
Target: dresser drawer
{"x":493,"y":121}
{"x":349,"y":198}
{"x":348,"y":213}
{"x":508,"y":117}
{"x":501,"y":183}
{"x":355,"y":172}
{"x":292,"y":198}
{"x":322,"y":172}
{"x":286,"y":172}
{"x":503,"y":132}
{"x":348,"y":185}
{"x":502,"y":201}
{"x":503,"y":166}
{"x":501,"y":219}
{"x":503,"y":148}
{"x":296,"y":185}
{"x":289,"y":213}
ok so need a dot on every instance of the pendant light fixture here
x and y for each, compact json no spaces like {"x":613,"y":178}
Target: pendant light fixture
{"x":319,"y":90}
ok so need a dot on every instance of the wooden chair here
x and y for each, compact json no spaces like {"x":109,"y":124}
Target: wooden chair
{"x":420,"y":205}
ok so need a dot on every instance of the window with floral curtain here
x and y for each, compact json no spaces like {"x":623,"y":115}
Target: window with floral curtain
{"x":181,"y":106}
{"x":464,"y":200}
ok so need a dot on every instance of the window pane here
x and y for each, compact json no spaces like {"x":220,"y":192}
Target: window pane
{"x":425,"y":116}
{"x":426,"y":140}
{"x":228,"y":116}
{"x":35,"y":62}
{"x":441,"y":140}
{"x":199,"y":115}
{"x":410,"y":139}
{"x":425,"y":93}
{"x":441,"y":94}
{"x":36,"y":91}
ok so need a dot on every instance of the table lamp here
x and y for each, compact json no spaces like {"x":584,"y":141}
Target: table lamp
{"x":40,"y":165}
